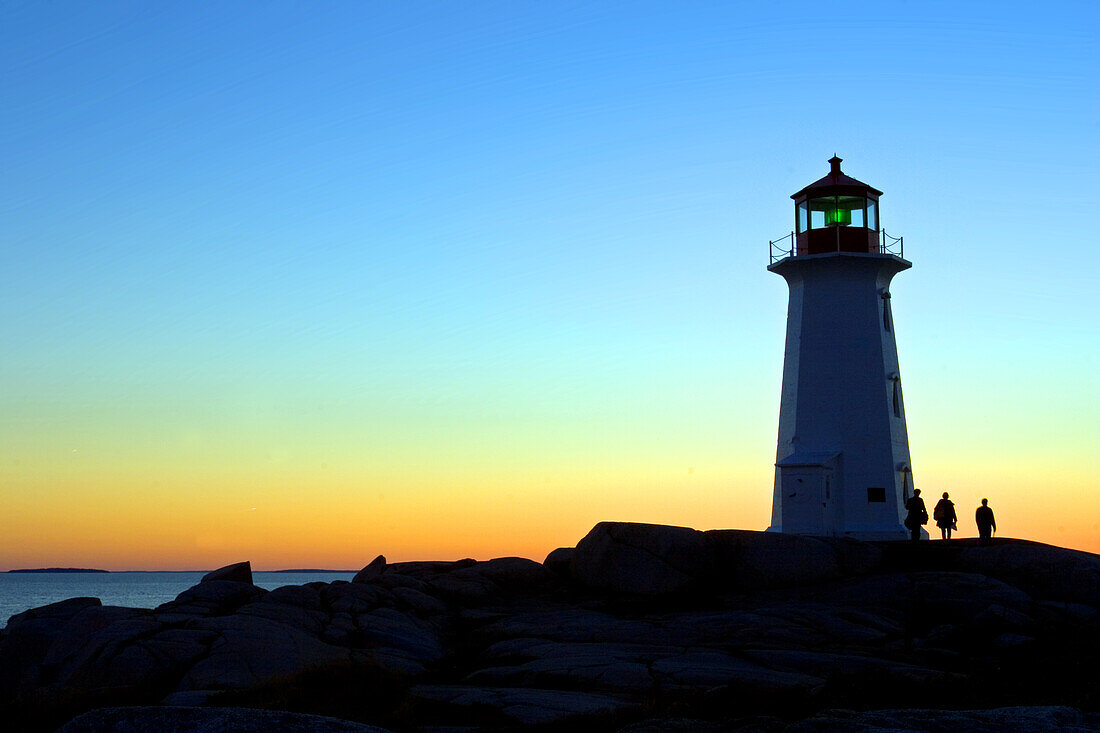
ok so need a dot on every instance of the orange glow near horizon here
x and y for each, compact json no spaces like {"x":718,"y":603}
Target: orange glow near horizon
{"x":486,"y":469}
{"x":287,"y":517}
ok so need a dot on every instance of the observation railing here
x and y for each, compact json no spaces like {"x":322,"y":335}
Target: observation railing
{"x":778,"y":250}
{"x":784,"y":247}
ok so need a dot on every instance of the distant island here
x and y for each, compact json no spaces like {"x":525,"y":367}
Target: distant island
{"x":59,"y":570}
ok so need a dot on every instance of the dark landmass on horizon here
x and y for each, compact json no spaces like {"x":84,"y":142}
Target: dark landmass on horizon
{"x":98,"y":570}
{"x":58,"y":570}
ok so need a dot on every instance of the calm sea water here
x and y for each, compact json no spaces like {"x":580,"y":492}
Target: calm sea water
{"x":20,"y":591}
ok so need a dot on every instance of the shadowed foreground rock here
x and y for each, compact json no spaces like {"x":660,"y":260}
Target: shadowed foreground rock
{"x":207,"y":720}
{"x":1000,"y":720}
{"x":638,"y":628}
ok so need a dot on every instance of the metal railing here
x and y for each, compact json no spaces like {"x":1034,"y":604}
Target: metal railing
{"x":777,"y":253}
{"x":784,"y":247}
{"x":892,"y":245}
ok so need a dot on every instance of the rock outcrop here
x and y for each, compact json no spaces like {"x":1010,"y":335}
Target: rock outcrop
{"x":998,"y":720}
{"x":374,"y":568}
{"x":650,"y":559}
{"x":642,"y":558}
{"x":629,"y":630}
{"x":240,"y":572}
{"x":168,"y":719}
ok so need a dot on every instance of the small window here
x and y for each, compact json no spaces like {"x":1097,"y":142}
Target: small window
{"x":837,"y":211}
{"x":803,"y":222}
{"x":897,"y":397}
{"x":876,"y":494}
{"x":872,"y":215}
{"x":886,"y":312}
{"x":850,"y":211}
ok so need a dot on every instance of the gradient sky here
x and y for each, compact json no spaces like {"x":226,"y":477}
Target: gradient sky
{"x":302,"y":283}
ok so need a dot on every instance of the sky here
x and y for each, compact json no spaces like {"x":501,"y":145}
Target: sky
{"x":302,"y":283}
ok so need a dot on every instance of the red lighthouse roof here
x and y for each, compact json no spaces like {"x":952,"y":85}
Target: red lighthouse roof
{"x":836,"y":183}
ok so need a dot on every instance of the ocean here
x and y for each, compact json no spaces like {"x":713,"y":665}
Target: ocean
{"x":20,"y":591}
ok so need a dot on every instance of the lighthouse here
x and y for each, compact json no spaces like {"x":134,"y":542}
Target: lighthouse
{"x":842,"y":461}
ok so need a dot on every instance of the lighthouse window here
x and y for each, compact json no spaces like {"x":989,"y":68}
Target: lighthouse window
{"x":837,"y":211}
{"x":852,"y":206}
{"x":876,"y":493}
{"x":897,"y":397}
{"x":872,"y":215}
{"x":803,"y":218}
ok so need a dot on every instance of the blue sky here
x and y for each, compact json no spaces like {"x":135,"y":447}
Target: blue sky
{"x":550,"y":216}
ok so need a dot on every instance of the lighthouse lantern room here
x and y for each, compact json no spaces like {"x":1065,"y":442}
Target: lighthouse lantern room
{"x":842,"y":460}
{"x":836,"y":214}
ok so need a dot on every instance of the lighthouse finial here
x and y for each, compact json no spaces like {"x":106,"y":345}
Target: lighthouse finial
{"x":834,"y":162}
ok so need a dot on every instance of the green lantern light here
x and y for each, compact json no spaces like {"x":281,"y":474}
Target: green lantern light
{"x":838,"y":217}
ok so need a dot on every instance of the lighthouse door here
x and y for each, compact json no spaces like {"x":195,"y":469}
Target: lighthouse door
{"x":806,"y":492}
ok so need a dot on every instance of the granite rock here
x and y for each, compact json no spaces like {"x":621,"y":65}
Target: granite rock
{"x":238,"y":572}
{"x":169,"y":719}
{"x":512,"y":706}
{"x":996,"y":720}
{"x":371,"y":571}
{"x":644,"y":559}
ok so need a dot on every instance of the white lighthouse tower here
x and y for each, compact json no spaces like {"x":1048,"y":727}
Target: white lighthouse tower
{"x":842,"y":462}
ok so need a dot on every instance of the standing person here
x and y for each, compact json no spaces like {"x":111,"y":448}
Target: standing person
{"x":987,"y":525}
{"x":917,"y":515}
{"x":945,"y":517}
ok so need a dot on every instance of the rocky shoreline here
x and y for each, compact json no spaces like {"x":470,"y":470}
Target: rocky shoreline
{"x":638,"y":628}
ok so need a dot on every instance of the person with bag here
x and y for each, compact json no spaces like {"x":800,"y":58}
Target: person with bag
{"x":945,"y":517}
{"x":916,"y":516}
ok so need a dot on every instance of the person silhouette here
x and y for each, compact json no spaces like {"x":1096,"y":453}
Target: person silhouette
{"x":916,"y":516}
{"x":987,"y":525}
{"x":945,"y":516}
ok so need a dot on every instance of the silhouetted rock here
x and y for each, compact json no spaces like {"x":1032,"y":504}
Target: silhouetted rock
{"x":841,"y":666}
{"x":746,"y":630}
{"x":373,"y":570}
{"x":648,"y":559}
{"x":514,"y":573}
{"x":854,"y":557}
{"x":210,"y":598}
{"x":681,"y":725}
{"x":166,"y":719}
{"x":391,"y":629}
{"x":753,"y":560}
{"x":98,"y":648}
{"x":997,"y":720}
{"x":418,"y":602}
{"x":570,"y":624}
{"x":560,"y":561}
{"x":511,"y":706}
{"x":58,"y":612}
{"x":602,"y":666}
{"x":239,"y":572}
{"x":248,"y":650}
{"x":645,"y":559}
{"x":356,"y":598}
{"x":1042,"y":571}
{"x":30,"y":634}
